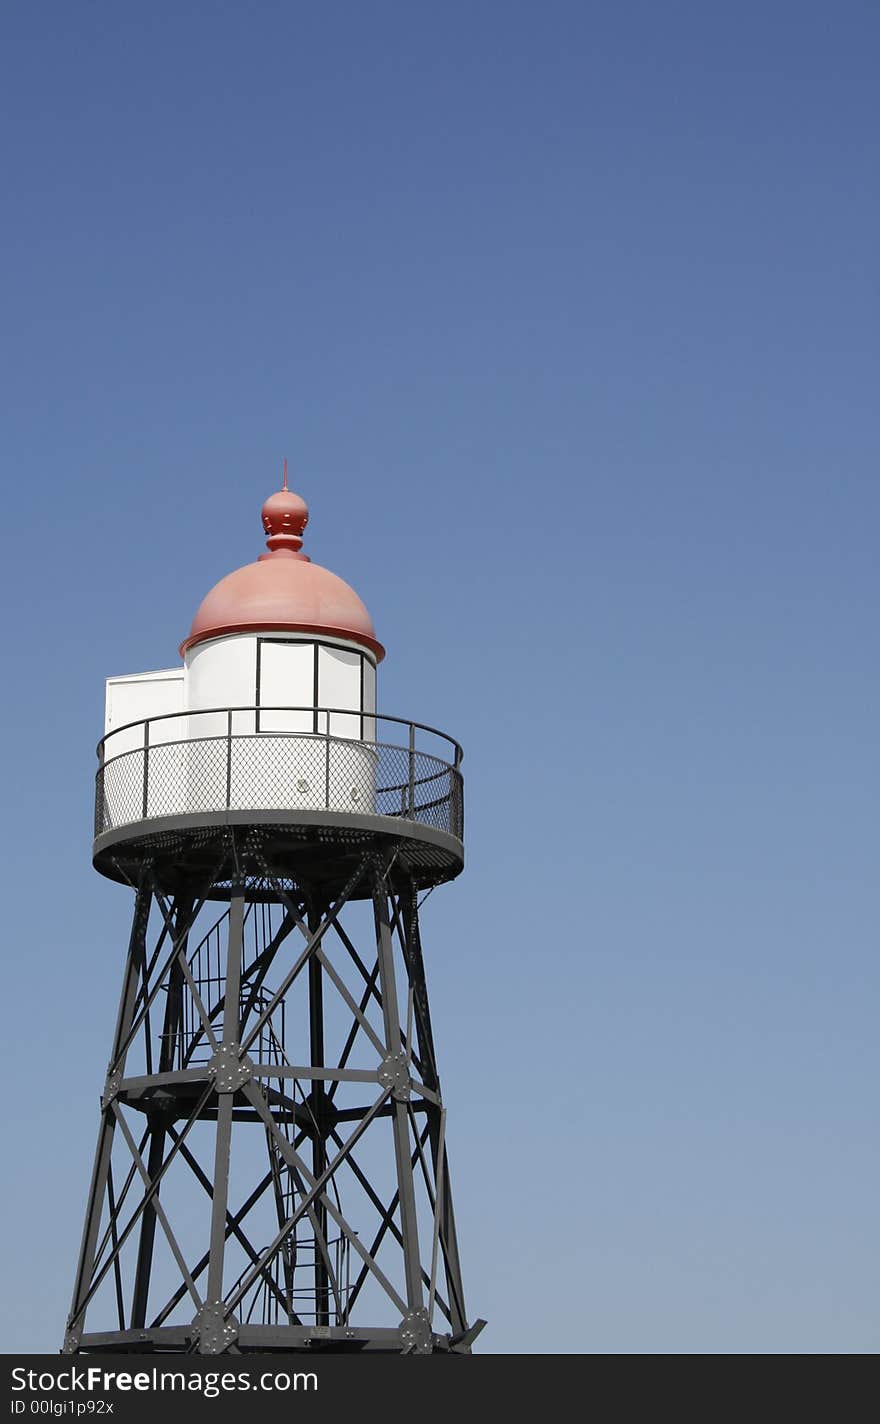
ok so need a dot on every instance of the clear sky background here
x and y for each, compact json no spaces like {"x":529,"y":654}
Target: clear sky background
{"x":566,"y":315}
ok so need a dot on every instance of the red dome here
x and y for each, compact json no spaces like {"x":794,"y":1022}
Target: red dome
{"x":283,"y":591}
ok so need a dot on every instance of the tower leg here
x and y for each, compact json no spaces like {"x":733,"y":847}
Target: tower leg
{"x":169,"y":1045}
{"x":444,"y":1225}
{"x":398,"y":1060}
{"x":99,"y":1185}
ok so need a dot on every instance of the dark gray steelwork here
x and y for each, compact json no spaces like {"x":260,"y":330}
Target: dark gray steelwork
{"x":271,"y":1171}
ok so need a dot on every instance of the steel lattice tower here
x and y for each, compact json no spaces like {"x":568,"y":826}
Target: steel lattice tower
{"x":271,"y":1171}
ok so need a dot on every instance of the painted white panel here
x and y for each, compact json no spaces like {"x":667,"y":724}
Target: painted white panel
{"x":128,"y":752}
{"x":137,"y":696}
{"x":369,"y":724}
{"x":339,"y":685}
{"x":222,"y":673}
{"x":287,"y":679}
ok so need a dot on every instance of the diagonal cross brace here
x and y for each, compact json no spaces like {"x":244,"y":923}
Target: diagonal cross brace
{"x":295,"y":1161}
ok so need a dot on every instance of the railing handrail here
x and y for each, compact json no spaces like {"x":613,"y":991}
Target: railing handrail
{"x":378,"y":778}
{"x":147,"y":722}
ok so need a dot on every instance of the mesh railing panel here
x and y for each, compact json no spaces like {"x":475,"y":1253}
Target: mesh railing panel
{"x":279,"y":771}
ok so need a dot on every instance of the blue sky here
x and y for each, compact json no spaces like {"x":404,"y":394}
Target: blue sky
{"x":566,"y":316}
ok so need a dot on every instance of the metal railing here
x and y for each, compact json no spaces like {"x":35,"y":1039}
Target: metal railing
{"x":279,"y":758}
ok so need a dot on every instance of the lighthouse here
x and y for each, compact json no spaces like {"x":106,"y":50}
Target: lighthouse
{"x":272,"y":1171}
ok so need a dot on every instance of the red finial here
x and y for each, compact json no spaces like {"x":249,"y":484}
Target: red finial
{"x":285,"y":516}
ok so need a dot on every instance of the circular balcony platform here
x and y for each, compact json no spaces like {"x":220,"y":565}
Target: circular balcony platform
{"x":265,"y":784}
